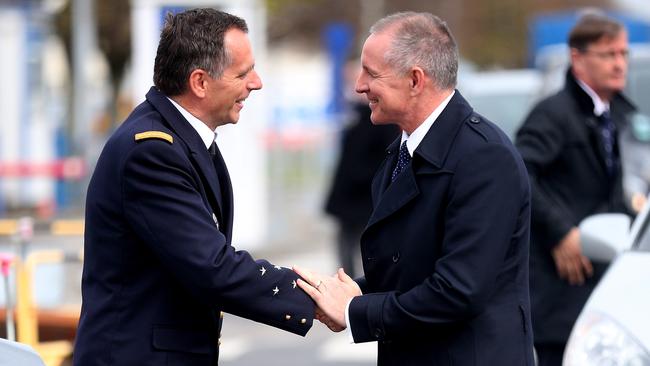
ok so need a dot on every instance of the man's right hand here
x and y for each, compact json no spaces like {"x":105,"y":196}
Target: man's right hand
{"x":571,"y":265}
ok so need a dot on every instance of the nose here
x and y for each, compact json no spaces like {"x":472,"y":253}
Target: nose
{"x":361,"y":86}
{"x":255,"y":83}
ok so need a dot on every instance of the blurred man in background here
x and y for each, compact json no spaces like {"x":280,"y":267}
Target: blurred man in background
{"x":570,"y":147}
{"x":362,"y":148}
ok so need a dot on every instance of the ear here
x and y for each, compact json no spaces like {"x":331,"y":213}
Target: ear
{"x":576,"y":58}
{"x":417,"y":79}
{"x":197,"y":83}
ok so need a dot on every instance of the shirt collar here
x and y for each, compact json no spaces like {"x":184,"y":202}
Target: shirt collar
{"x":207,"y":135}
{"x":414,"y":139}
{"x":600,"y":106}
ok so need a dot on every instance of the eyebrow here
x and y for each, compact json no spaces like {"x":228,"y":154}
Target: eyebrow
{"x":246,"y":71}
{"x":369,"y":69}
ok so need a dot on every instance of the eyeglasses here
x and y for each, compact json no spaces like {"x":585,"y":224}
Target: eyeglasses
{"x":608,"y":55}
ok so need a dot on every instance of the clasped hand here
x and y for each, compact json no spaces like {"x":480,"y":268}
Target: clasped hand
{"x":331,"y":295}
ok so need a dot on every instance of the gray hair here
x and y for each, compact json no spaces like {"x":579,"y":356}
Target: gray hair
{"x":424,"y":40}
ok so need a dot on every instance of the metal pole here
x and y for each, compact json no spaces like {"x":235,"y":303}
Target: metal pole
{"x":83,"y":46}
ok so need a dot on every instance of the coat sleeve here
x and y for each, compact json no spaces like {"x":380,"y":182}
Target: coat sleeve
{"x":487,"y":205}
{"x":166,"y":211}
{"x":540,"y":141}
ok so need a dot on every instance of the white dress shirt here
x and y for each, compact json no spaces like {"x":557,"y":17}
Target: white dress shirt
{"x":600,"y":106}
{"x":207,"y":135}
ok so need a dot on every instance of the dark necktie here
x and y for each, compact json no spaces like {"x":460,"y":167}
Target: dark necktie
{"x":607,"y":131}
{"x":224,"y":196}
{"x":402,"y":161}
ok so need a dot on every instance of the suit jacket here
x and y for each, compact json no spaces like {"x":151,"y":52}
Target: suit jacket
{"x":561,"y":146}
{"x":445,"y":252}
{"x":159,"y":267}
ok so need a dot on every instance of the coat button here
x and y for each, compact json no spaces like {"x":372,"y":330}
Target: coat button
{"x":474,"y":119}
{"x":396,"y":257}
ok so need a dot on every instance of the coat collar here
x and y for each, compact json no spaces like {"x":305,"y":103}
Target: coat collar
{"x":619,"y":105}
{"x":435,"y":146}
{"x":175,"y":120}
{"x":429,"y":156}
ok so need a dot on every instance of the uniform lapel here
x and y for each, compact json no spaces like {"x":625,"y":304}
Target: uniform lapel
{"x":226,"y":196}
{"x":198,"y":153}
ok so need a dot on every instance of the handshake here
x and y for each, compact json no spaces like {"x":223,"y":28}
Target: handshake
{"x":331,"y":294}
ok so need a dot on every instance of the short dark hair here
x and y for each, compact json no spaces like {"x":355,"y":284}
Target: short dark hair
{"x":193,"y":39}
{"x":591,"y":27}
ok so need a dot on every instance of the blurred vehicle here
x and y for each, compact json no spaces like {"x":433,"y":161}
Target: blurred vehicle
{"x":14,"y":353}
{"x":614,"y":327}
{"x":504,"y":96}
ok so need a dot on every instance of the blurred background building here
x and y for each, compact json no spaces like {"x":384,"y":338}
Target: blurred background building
{"x":73,"y":69}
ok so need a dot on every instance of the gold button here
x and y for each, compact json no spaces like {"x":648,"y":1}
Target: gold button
{"x":287,"y":317}
{"x":303,"y":321}
{"x":221,"y":315}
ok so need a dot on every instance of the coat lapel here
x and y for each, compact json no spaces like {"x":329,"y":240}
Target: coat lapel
{"x":381,"y":181}
{"x":198,"y":153}
{"x":398,"y":194}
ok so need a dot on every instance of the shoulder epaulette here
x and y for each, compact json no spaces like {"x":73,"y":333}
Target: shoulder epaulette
{"x":154,"y":135}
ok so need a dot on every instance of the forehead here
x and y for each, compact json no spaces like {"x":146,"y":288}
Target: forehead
{"x":620,"y":39}
{"x":374,"y":50}
{"x":237,"y":44}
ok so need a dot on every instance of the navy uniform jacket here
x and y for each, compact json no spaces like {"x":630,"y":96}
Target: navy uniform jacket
{"x":445,"y":252}
{"x":560,"y":144}
{"x":159,"y":267}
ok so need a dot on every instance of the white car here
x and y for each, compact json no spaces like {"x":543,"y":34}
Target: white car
{"x":613,"y":328}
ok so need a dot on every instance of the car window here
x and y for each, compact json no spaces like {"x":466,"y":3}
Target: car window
{"x":506,"y":110}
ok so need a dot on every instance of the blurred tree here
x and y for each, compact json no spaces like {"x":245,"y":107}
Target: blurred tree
{"x":490,"y":33}
{"x":114,"y":40}
{"x":113,"y":19}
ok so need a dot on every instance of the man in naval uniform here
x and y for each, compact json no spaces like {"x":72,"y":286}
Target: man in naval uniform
{"x":159,"y":266}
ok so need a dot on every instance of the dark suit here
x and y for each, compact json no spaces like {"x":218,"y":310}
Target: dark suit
{"x":445,"y":252}
{"x":561,"y":146}
{"x":158,"y":270}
